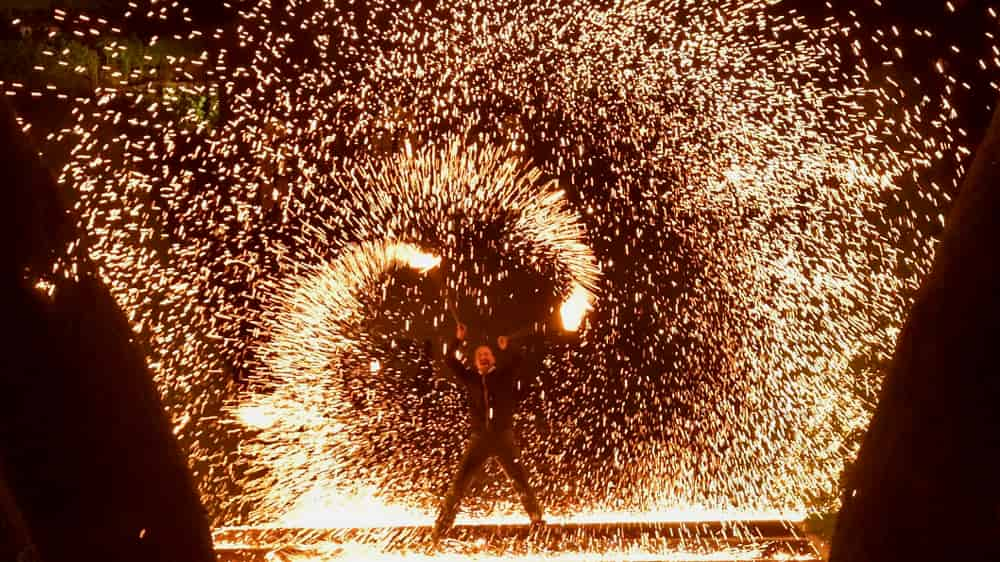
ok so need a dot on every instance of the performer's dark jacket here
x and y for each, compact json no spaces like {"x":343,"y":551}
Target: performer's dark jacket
{"x":493,"y":397}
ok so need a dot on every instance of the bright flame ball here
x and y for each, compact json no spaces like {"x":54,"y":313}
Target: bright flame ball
{"x":575,"y":308}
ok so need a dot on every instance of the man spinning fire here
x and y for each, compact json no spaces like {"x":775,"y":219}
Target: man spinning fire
{"x":494,"y":391}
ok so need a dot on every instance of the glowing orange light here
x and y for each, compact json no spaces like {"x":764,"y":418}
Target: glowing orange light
{"x":255,"y":417}
{"x":417,"y":259}
{"x":575,"y":308}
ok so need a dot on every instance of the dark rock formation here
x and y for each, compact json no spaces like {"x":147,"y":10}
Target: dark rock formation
{"x":87,"y":453}
{"x":926,"y":484}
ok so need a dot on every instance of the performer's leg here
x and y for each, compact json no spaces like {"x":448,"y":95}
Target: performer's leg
{"x":510,"y":458}
{"x":477,"y":451}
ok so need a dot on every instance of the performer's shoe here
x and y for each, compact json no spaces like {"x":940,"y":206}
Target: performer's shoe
{"x":439,"y":533}
{"x":537,"y":522}
{"x":433,"y":546}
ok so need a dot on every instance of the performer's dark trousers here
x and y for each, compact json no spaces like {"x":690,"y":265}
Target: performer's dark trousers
{"x":480,"y":448}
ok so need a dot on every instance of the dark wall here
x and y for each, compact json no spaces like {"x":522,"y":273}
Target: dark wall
{"x":14,"y":537}
{"x":925,"y":486}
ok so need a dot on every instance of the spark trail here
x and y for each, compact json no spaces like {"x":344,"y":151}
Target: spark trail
{"x":724,"y":180}
{"x":318,"y":335}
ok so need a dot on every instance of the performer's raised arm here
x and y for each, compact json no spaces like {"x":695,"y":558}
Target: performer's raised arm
{"x":509,"y":358}
{"x":458,"y":368}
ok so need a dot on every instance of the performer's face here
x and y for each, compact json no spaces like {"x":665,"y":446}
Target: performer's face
{"x":484,"y":358}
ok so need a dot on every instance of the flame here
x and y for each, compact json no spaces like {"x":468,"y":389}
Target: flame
{"x":575,"y":308}
{"x":257,"y":417}
{"x":417,"y":258}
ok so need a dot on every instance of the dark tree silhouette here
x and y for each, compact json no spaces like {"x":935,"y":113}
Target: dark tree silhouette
{"x":926,"y":484}
{"x":14,"y":537}
{"x":92,"y":467}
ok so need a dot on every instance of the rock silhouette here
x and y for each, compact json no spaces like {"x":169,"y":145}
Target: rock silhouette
{"x":87,"y":454}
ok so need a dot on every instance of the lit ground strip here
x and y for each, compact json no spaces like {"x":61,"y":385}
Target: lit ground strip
{"x":348,"y":514}
{"x":624,"y":539}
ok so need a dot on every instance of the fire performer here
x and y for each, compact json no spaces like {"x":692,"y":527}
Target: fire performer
{"x":493,"y":393}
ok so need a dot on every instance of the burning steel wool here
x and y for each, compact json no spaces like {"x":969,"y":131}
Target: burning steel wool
{"x":707,"y":213}
{"x":319,"y":334}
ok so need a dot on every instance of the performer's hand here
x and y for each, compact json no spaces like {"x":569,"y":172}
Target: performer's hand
{"x":502,"y":342}
{"x":460,"y":332}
